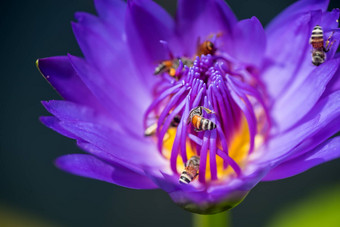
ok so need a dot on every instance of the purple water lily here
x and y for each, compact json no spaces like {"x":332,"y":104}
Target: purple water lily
{"x":275,"y":112}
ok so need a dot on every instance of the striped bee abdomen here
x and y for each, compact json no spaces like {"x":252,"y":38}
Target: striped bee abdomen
{"x":207,"y":124}
{"x":190,"y":171}
{"x":186,"y":178}
{"x":316,"y":38}
{"x":201,"y":124}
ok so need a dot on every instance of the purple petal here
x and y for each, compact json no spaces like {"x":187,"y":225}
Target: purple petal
{"x":249,"y":41}
{"x":294,"y":10}
{"x":91,"y":167}
{"x":306,"y":67}
{"x":59,"y":72}
{"x":333,"y":85}
{"x":123,"y":147}
{"x":285,"y":66}
{"x":108,"y":157}
{"x":117,"y":103}
{"x":329,"y":19}
{"x":200,"y":19}
{"x":297,"y":101}
{"x":111,"y":11}
{"x":53,"y":123}
{"x":329,"y":23}
{"x":69,"y":111}
{"x":102,"y":44}
{"x":325,"y":152}
{"x":298,"y":65}
{"x":146,"y":25}
{"x":70,"y":114}
{"x":324,"y":114}
{"x":105,"y":49}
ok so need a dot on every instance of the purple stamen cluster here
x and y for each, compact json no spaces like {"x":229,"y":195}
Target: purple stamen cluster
{"x":208,"y":83}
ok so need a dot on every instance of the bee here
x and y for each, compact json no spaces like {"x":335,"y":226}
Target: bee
{"x":207,"y":47}
{"x":170,"y":66}
{"x":191,"y":170}
{"x":175,"y":122}
{"x":200,"y":123}
{"x":151,"y":130}
{"x":319,"y":50}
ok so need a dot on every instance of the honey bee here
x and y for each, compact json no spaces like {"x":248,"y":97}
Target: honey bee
{"x":151,"y":130}
{"x":200,"y":123}
{"x":207,"y":47}
{"x":170,"y":66}
{"x":319,"y":50}
{"x":175,"y":122}
{"x":191,"y":170}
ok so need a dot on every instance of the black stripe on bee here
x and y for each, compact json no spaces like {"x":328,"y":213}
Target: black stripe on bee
{"x":212,"y":125}
{"x":208,"y":125}
{"x":202,"y":121}
{"x":175,"y":122}
{"x":205,"y":124}
{"x":184,"y":180}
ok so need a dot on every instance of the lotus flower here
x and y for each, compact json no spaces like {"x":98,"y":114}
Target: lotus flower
{"x":275,"y":112}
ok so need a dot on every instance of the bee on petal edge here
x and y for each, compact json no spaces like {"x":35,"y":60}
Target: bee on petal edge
{"x":319,"y":50}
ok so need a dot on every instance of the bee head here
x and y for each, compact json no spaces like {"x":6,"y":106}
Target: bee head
{"x":209,"y":45}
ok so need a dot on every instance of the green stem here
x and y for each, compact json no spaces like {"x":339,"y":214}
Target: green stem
{"x":214,"y":220}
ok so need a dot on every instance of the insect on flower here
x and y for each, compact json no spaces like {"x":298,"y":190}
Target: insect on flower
{"x":151,"y":130}
{"x":198,"y":121}
{"x":175,"y":122}
{"x":319,"y":50}
{"x":191,"y":170}
{"x":208,"y":46}
{"x":170,"y":66}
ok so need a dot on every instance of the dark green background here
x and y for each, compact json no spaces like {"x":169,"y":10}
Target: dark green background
{"x":30,"y":184}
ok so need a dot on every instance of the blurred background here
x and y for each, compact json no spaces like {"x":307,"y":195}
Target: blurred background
{"x":35,"y":193}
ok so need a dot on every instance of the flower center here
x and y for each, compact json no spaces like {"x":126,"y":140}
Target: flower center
{"x":208,"y":107}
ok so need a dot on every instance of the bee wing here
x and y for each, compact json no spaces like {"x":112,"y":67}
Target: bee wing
{"x":188,"y":119}
{"x":310,"y":41}
{"x":207,"y":110}
{"x":189,"y":116}
{"x":198,"y":43}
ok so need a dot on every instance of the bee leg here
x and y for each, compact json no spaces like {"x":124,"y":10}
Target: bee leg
{"x":197,"y":130}
{"x":188,"y":120}
{"x":328,"y":45}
